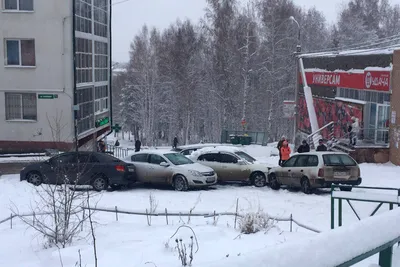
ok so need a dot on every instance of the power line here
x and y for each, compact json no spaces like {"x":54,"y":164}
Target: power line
{"x":364,"y":44}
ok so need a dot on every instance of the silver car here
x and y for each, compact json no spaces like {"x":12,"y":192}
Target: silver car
{"x":316,"y":170}
{"x":232,"y":165}
{"x":171,"y":168}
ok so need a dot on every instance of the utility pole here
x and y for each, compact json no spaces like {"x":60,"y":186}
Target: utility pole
{"x":296,"y":87}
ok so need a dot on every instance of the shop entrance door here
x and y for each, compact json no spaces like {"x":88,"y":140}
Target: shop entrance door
{"x":382,"y":124}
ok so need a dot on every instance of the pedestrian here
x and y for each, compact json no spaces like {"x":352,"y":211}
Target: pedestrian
{"x":279,"y":146}
{"x":350,"y":133}
{"x":285,"y":152}
{"x":355,"y":130}
{"x":116,"y":143}
{"x":321,"y":147}
{"x":138,"y":144}
{"x":304,"y":148}
{"x":175,"y":144}
{"x":102,"y":146}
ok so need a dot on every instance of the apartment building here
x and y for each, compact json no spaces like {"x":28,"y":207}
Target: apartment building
{"x":55,"y":79}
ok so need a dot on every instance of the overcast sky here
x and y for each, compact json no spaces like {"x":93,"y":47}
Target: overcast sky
{"x":129,"y":16}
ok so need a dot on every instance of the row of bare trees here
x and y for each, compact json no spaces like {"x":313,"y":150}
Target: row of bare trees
{"x":194,"y":80}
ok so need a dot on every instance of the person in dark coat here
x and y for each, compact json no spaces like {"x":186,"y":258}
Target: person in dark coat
{"x":116,"y":143}
{"x":304,"y":148}
{"x":279,"y":146}
{"x":175,"y":145}
{"x":350,"y":133}
{"x":321,"y":146}
{"x":138,"y":144}
{"x":102,"y":146}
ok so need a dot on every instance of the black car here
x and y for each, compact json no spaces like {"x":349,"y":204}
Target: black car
{"x":81,"y":168}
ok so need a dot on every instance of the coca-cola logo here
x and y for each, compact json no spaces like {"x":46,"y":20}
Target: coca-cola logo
{"x":368,"y":80}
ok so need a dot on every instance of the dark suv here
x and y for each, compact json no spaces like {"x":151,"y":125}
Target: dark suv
{"x":99,"y":170}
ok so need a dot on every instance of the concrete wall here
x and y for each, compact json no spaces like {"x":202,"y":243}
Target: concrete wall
{"x":51,"y":26}
{"x":395,"y":110}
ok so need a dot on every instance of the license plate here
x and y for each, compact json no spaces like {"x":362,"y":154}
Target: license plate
{"x":341,"y":174}
{"x":211,"y":179}
{"x":131,"y":170}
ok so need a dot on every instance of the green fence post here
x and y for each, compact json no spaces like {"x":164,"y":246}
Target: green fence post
{"x":340,"y":212}
{"x":332,"y":209}
{"x":385,"y":257}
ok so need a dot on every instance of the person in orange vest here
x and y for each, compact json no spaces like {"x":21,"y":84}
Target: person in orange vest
{"x":285,"y":152}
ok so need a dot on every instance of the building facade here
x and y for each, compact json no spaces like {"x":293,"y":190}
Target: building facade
{"x":359,"y":84}
{"x":55,"y":76}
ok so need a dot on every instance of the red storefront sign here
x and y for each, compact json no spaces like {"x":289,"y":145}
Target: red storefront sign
{"x":369,"y":80}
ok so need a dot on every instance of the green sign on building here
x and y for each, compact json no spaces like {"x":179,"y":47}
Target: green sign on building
{"x":47,"y":96}
{"x":102,"y":122}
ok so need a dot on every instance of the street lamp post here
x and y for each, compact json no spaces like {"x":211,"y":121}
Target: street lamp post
{"x":296,"y":87}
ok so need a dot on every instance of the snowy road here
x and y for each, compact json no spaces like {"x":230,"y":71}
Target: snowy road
{"x":130,"y":241}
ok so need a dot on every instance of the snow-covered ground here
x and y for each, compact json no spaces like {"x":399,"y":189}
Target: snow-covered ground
{"x":131,"y":242}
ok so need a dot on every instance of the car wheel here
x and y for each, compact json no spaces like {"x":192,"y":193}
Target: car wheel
{"x":273,"y":182}
{"x":258,"y":179}
{"x":34,"y":178}
{"x":306,"y":186}
{"x":100,"y":183}
{"x":180,"y":183}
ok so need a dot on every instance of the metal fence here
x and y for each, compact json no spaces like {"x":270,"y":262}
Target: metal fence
{"x":215,"y":215}
{"x":118,"y":152}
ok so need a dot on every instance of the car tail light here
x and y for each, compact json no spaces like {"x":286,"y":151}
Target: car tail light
{"x":120,"y":168}
{"x":321,"y":172}
{"x":358,"y":172}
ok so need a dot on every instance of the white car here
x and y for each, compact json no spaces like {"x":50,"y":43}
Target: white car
{"x":232,"y":165}
{"x":166,"y":167}
{"x":189,"y":149}
{"x":316,"y":170}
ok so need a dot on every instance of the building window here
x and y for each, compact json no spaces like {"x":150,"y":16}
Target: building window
{"x":86,"y":109}
{"x":84,"y":60}
{"x":83,"y":16}
{"x":20,"y":52}
{"x":21,"y":106}
{"x":18,"y":5}
{"x":364,"y":95}
{"x":101,"y":61}
{"x":100,"y":18}
{"x":101,"y":99}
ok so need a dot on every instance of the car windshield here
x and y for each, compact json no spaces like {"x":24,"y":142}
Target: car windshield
{"x":245,"y":156}
{"x":178,"y":159}
{"x":338,"y":160}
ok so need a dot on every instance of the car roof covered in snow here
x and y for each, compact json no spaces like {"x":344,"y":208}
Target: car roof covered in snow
{"x":200,"y":145}
{"x":152,"y":151}
{"x":322,"y":153}
{"x":216,"y":149}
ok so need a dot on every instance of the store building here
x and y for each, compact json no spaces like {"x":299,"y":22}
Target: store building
{"x":358,"y":84}
{"x":55,"y":77}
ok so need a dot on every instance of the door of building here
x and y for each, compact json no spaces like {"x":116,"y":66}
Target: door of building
{"x":382,"y":124}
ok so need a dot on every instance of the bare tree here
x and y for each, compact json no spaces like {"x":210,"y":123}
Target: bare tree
{"x":57,"y":211}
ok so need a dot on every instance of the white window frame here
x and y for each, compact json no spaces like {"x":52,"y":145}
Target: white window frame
{"x":19,"y":52}
{"x":102,"y":103}
{"x":17,"y":10}
{"x":22,"y":108}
